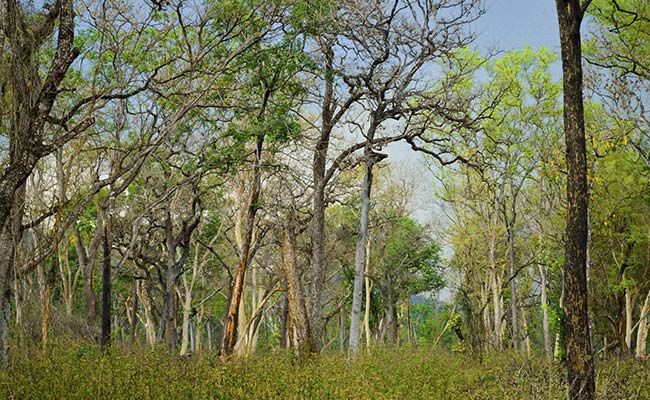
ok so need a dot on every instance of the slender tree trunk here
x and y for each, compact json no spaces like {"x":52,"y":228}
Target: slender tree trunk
{"x":50,"y":280}
{"x":629,"y":319}
{"x":524,"y":324}
{"x":185,"y":327}
{"x":513,"y":290}
{"x":284,"y":324}
{"x":134,"y":312}
{"x":230,"y":329}
{"x":642,"y":329}
{"x":495,"y":285}
{"x":106,"y":288}
{"x":360,"y":262}
{"x":576,"y":316}
{"x":6,"y":274}
{"x":295,"y":298}
{"x":317,"y":272}
{"x":545,"y":320}
{"x":366,"y":315}
{"x":149,"y":325}
{"x":86,"y":261}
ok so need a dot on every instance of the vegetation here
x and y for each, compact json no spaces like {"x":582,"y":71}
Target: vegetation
{"x":412,"y":373}
{"x":200,"y":199}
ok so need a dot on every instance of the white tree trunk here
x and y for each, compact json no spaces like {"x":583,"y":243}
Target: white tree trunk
{"x":545,"y":320}
{"x":360,"y":262}
{"x":642,"y":330}
{"x":368,"y":284}
{"x":629,"y":322}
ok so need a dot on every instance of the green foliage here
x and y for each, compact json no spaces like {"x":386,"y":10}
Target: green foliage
{"x":81,"y":372}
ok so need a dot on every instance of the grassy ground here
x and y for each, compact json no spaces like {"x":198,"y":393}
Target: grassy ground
{"x":81,"y":372}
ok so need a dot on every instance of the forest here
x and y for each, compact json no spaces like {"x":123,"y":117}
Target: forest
{"x":211,"y":199}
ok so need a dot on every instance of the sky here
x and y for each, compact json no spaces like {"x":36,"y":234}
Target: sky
{"x":506,"y":25}
{"x":512,"y":24}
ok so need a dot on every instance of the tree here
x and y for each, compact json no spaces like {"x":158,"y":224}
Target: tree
{"x":575,"y":321}
{"x":32,"y":99}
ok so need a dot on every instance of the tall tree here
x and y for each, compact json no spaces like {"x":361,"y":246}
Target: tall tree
{"x":32,"y":99}
{"x":575,"y":322}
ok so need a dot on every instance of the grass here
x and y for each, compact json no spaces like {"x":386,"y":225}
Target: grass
{"x":78,"y":371}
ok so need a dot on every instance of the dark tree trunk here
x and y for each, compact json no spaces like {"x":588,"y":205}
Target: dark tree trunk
{"x":6,"y":273}
{"x":575,"y":323}
{"x":32,"y":99}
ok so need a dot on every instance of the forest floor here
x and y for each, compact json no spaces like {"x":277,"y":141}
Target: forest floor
{"x":82,"y":372}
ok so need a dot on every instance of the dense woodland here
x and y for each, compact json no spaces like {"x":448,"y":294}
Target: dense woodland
{"x":215,"y":177}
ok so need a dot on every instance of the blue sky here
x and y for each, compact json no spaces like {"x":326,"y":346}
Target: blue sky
{"x":512,"y":24}
{"x":507,"y":25}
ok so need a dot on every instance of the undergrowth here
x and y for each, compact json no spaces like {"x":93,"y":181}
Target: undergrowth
{"x":80,"y":371}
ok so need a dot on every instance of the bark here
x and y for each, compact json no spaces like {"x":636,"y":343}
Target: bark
{"x":50,"y":280}
{"x":629,"y":318}
{"x":525,"y":336}
{"x":317,"y":272}
{"x":6,"y":274}
{"x":188,"y":311}
{"x":366,"y":316}
{"x":642,"y":329}
{"x":134,"y":312}
{"x":106,"y":287}
{"x":86,"y":258}
{"x":360,"y":262}
{"x":390,"y":326}
{"x":230,"y":330}
{"x":513,"y":291}
{"x":31,"y":102}
{"x":545,"y":320}
{"x":284,"y":324}
{"x":575,"y":323}
{"x":304,"y":344}
{"x":150,"y":330}
{"x":495,"y":285}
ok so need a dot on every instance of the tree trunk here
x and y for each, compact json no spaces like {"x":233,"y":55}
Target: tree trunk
{"x":642,"y":329}
{"x":360,"y":262}
{"x":86,"y":261}
{"x":106,"y":288}
{"x":545,"y":320}
{"x":514,"y":304}
{"x":317,"y":272}
{"x":366,"y":316}
{"x":150,"y":330}
{"x":185,"y":327}
{"x":295,"y":298}
{"x":6,"y":274}
{"x":134,"y":312}
{"x":284,"y":324}
{"x":576,"y":316}
{"x":230,"y":329}
{"x":524,"y":324}
{"x":495,"y":285}
{"x":629,"y":319}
